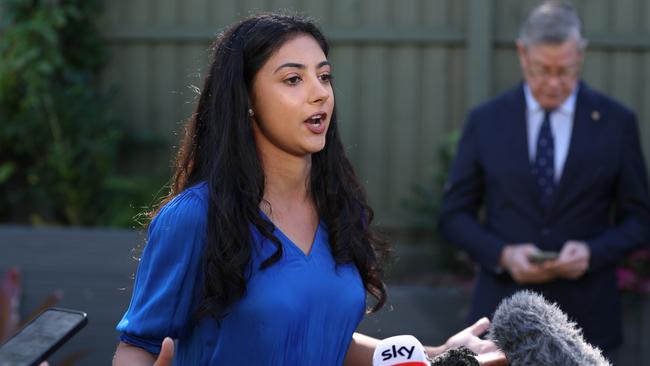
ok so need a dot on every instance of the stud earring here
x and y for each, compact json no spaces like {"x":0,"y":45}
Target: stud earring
{"x":250,"y":112}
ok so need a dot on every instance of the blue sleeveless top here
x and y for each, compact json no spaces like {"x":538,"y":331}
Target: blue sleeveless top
{"x":302,"y":310}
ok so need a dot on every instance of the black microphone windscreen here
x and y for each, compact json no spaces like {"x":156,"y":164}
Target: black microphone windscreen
{"x":532,"y":331}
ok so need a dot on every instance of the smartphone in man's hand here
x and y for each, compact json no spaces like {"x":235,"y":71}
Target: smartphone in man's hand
{"x":542,"y":256}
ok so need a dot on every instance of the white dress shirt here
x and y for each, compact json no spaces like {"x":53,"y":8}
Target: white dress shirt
{"x":561,"y":127}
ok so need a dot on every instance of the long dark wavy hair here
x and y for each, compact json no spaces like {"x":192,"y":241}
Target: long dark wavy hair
{"x":218,"y":148}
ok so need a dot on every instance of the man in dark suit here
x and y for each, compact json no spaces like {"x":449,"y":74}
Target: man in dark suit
{"x":557,"y":167}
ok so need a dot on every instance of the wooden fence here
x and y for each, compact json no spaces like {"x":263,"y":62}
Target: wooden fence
{"x":406,"y":71}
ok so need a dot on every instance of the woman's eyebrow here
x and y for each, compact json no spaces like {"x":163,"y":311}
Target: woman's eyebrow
{"x":299,"y":66}
{"x":323,"y":63}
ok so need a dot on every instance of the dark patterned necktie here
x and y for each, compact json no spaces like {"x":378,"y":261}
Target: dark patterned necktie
{"x":543,"y":167}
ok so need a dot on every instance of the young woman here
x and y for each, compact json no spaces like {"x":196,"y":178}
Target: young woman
{"x":263,"y":253}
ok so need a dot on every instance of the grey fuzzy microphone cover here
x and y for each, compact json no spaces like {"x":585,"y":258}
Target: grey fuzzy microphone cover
{"x":532,"y":331}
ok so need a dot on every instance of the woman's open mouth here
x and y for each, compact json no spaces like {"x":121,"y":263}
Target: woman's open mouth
{"x":316,"y":123}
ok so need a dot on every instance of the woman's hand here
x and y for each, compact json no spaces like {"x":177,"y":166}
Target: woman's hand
{"x":488,"y":353}
{"x":166,"y":354}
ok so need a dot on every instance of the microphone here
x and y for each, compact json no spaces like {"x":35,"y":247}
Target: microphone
{"x":532,"y":331}
{"x":402,"y":350}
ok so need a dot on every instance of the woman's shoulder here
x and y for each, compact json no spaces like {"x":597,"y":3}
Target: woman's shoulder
{"x":190,"y":205}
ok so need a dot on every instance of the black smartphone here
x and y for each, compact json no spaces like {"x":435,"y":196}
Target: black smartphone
{"x":541,"y":257}
{"x":41,"y":337}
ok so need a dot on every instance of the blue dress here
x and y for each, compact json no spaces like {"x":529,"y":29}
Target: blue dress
{"x":302,"y":310}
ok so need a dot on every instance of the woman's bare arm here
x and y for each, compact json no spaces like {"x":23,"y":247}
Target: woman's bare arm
{"x":128,"y":355}
{"x":360,"y":350}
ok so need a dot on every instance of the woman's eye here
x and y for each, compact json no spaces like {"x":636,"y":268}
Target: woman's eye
{"x":326,"y":78}
{"x":292,"y":80}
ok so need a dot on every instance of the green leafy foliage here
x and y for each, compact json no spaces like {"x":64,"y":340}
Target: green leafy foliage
{"x":60,"y":142}
{"x":427,"y":199}
{"x":426,"y":202}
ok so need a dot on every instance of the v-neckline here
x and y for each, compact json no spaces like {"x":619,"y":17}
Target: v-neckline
{"x":291,"y":243}
{"x":306,"y":255}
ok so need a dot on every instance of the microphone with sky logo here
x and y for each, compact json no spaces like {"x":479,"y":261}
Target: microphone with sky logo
{"x":406,"y":350}
{"x":402,"y":350}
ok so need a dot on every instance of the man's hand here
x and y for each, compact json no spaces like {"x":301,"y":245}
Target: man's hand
{"x":514,"y":259}
{"x":488,"y":353}
{"x":572,"y":262}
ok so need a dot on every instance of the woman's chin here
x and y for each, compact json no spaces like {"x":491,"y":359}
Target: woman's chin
{"x":315,"y":146}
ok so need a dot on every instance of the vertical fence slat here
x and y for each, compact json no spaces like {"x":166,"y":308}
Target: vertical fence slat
{"x":506,"y":68}
{"x":435,"y":13}
{"x":255,"y":6}
{"x":402,"y":130}
{"x":594,"y":16}
{"x":644,"y":113}
{"x":625,"y":16}
{"x":136,"y":12}
{"x":644,"y":94}
{"x":456,"y":87}
{"x":404,"y":66}
{"x":373,"y":124}
{"x":479,"y":51}
{"x":624,"y":72}
{"x":289,"y":5}
{"x":318,"y":10}
{"x":434,"y":109}
{"x":194,"y":61}
{"x":224,"y":12}
{"x":594,"y":69}
{"x":456,"y":13}
{"x":434,"y":101}
{"x":164,"y":89}
{"x":508,"y":13}
{"x":163,"y":13}
{"x":346,"y":61}
{"x":624,"y":66}
{"x":373,"y":120}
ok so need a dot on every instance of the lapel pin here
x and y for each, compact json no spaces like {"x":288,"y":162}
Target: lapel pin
{"x":595,"y":115}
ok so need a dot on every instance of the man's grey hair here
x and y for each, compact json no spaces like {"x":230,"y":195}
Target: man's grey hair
{"x":552,"y":22}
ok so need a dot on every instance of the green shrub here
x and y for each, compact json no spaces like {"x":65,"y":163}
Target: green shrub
{"x":60,"y":142}
{"x":425,"y":204}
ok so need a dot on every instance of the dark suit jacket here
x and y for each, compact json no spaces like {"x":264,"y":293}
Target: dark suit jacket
{"x":602,"y":198}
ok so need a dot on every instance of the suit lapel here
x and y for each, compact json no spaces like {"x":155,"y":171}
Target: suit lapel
{"x":518,"y":148}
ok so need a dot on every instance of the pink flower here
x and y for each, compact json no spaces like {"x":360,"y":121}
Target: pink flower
{"x":626,"y":278}
{"x":634,"y":273}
